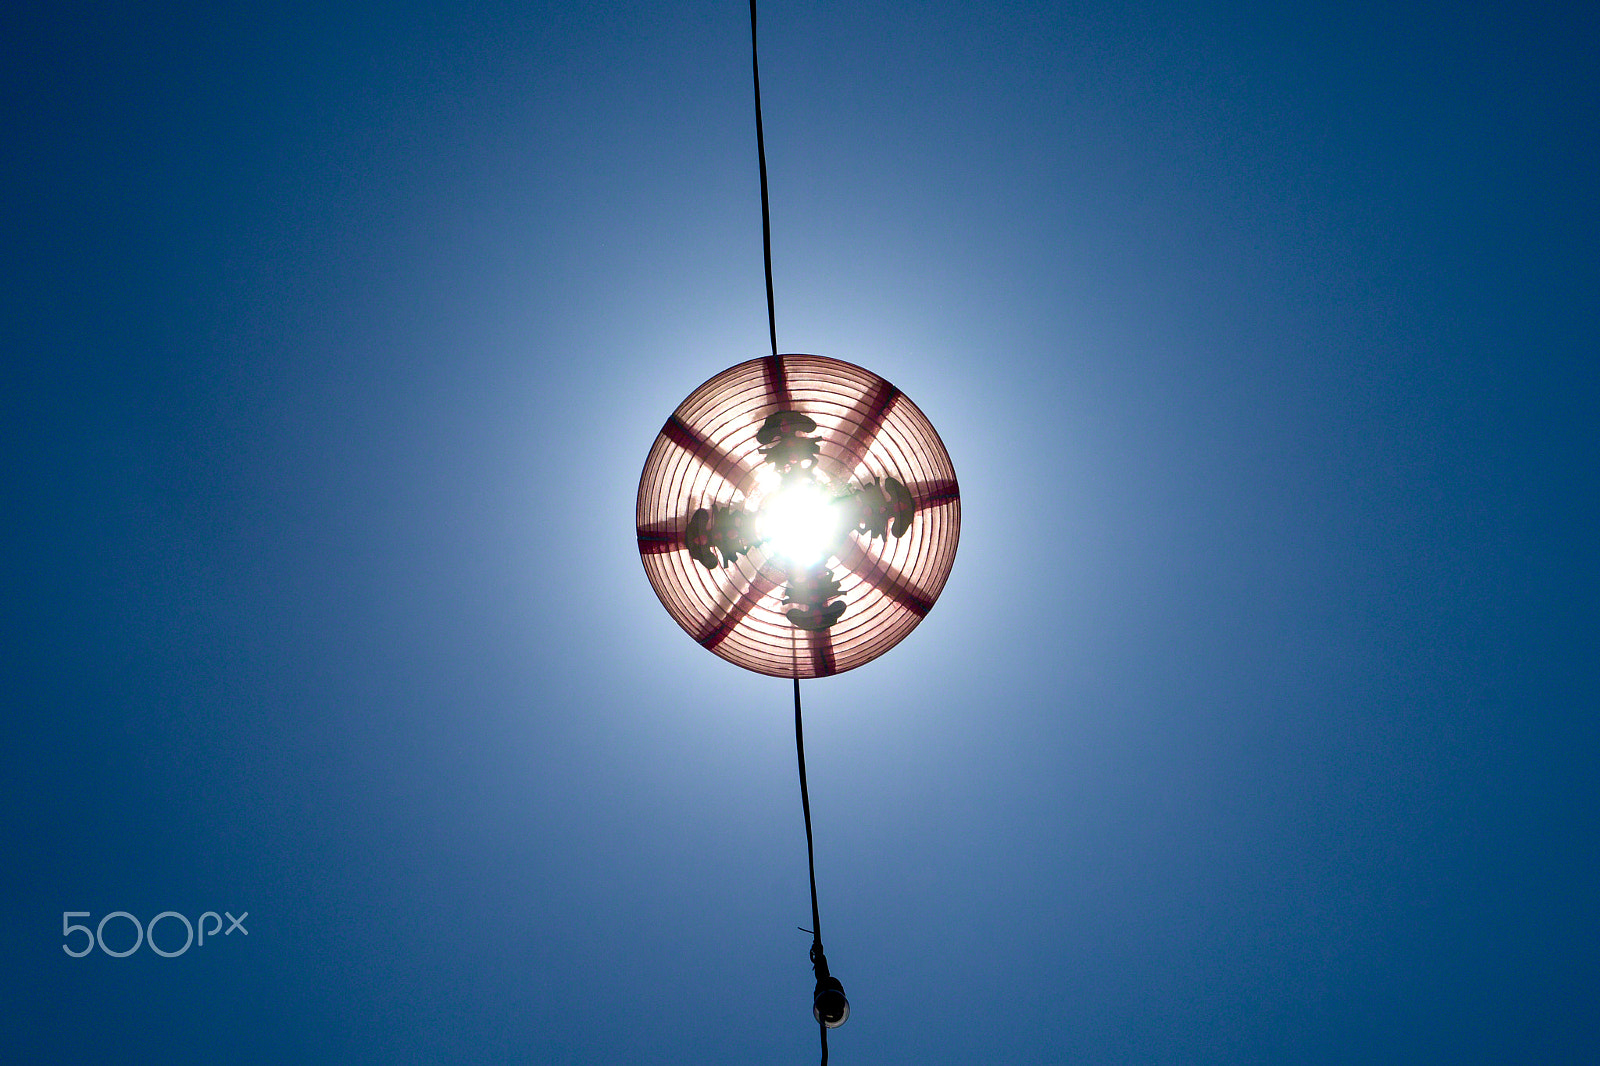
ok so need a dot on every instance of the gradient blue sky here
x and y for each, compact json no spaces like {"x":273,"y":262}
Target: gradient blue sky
{"x":1255,"y":725}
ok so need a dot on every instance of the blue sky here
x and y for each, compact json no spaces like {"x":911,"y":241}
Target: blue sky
{"x":1255,"y":724}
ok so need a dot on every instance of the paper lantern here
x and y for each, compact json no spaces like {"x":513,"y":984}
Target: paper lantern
{"x":798,"y":515}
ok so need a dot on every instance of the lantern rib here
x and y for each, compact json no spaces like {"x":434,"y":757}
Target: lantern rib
{"x":776,"y":382}
{"x":934,"y":493}
{"x":819,"y":643}
{"x":872,"y":571}
{"x":659,"y":538}
{"x":719,"y":628}
{"x":718,"y":461}
{"x":870,"y":414}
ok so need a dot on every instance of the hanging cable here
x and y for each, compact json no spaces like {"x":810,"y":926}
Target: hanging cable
{"x":772,"y":325}
{"x":761,"y":156}
{"x":829,"y":1005}
{"x":819,"y":962}
{"x":805,"y":807}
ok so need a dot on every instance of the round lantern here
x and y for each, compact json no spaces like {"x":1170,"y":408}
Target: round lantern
{"x":798,"y":515}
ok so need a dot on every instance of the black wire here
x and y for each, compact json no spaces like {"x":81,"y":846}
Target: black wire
{"x":811,"y":862}
{"x":772,"y":328}
{"x":805,"y":806}
{"x":761,"y":155}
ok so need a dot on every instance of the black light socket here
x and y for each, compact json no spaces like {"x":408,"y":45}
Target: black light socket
{"x":829,"y":1006}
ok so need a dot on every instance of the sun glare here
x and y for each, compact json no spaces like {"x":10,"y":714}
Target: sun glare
{"x":801,"y":524}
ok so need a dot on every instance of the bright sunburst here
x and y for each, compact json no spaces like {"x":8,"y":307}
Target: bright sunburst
{"x":801,"y":524}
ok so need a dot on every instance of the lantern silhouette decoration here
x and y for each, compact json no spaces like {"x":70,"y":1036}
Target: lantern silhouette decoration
{"x":798,"y":515}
